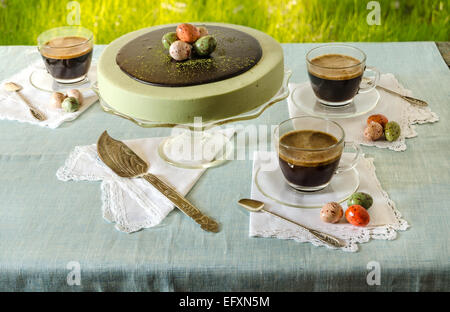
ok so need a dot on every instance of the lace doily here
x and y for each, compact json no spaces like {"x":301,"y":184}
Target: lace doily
{"x":386,"y":220}
{"x":132,"y":204}
{"x":393,"y":107}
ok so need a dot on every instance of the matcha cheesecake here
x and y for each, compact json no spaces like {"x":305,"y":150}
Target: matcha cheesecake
{"x":173,"y":73}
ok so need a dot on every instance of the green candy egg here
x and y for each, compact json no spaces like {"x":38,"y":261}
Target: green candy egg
{"x":70,"y":105}
{"x":168,"y":39}
{"x":205,"y":45}
{"x":360,"y":198}
{"x":392,"y":131}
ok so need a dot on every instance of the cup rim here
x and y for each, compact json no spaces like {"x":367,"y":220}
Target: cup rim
{"x":89,"y":38}
{"x":342,"y":139}
{"x":334,"y":46}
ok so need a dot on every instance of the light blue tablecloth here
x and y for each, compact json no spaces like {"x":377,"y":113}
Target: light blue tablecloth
{"x":45,"y":223}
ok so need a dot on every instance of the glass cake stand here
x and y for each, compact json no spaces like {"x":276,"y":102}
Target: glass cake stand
{"x":199,"y":144}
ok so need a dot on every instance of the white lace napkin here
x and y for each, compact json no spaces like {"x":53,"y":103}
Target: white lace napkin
{"x":393,"y":107}
{"x":385,"y":219}
{"x":12,"y":108}
{"x":133,"y":204}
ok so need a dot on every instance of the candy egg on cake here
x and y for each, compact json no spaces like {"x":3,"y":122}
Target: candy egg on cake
{"x":187,"y":33}
{"x":180,"y":50}
{"x":186,"y":39}
{"x":203,"y":31}
{"x":168,"y":39}
{"x":205,"y":45}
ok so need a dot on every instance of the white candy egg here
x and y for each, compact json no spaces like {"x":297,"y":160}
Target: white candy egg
{"x":180,"y":50}
{"x":56,"y":99}
{"x":331,"y":212}
{"x":373,"y":131}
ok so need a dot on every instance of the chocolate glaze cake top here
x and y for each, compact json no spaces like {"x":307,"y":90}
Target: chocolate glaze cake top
{"x":146,"y":60}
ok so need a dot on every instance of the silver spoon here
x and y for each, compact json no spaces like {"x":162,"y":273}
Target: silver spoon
{"x":409,"y":99}
{"x":14,"y":87}
{"x":257,"y":206}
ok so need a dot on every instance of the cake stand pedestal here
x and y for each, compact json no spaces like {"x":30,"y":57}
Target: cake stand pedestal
{"x":200,"y":144}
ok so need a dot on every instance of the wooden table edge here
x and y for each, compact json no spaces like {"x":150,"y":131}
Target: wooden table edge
{"x":444,"y":49}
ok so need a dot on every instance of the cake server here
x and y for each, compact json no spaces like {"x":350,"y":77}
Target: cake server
{"x":125,"y":163}
{"x":14,"y":87}
{"x":258,"y":206}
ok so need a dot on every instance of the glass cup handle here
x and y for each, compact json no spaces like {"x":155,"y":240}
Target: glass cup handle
{"x":342,"y":168}
{"x":369,"y":86}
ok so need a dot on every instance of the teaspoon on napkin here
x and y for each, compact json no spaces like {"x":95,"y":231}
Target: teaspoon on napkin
{"x":409,"y":99}
{"x":14,"y":87}
{"x":127,"y":164}
{"x":257,"y":206}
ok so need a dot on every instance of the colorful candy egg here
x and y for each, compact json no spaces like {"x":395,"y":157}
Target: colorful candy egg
{"x":357,"y":215}
{"x":392,"y":131}
{"x":180,"y":50}
{"x":203,"y":31}
{"x":373,"y":131}
{"x":187,"y":33}
{"x":56,"y":100}
{"x":168,"y":39}
{"x":76,"y":94}
{"x":379,"y":118}
{"x":205,"y":45}
{"x":360,"y":198}
{"x":70,"y":105}
{"x":331,"y":212}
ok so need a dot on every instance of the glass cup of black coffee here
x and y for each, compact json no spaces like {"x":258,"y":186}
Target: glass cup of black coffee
{"x":67,"y":53}
{"x":309,"y":152}
{"x":336,"y":73}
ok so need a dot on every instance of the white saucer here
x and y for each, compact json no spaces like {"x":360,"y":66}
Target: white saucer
{"x":43,"y":81}
{"x":304,"y":98}
{"x":273,"y":185}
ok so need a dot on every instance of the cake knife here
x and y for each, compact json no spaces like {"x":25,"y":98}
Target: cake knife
{"x":127,"y":164}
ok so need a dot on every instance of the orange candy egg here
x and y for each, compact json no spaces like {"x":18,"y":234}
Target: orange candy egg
{"x":187,"y":33}
{"x":379,"y":118}
{"x":357,"y":215}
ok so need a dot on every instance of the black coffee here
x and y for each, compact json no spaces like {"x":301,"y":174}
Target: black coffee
{"x":335,"y":77}
{"x":309,"y":168}
{"x":67,"y":57}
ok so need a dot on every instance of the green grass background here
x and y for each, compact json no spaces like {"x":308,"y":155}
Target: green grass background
{"x":21,"y":21}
